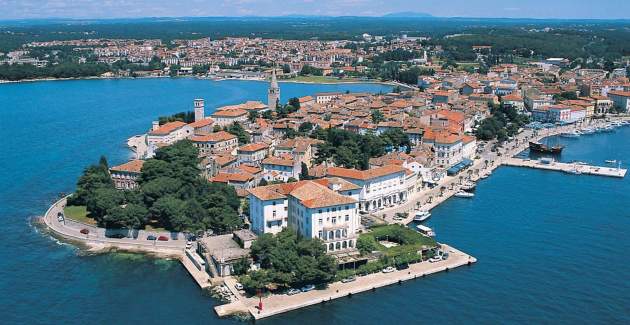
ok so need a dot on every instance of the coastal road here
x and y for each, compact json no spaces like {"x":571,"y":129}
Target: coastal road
{"x":96,"y":236}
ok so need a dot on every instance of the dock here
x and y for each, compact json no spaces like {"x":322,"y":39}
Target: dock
{"x":282,"y":303}
{"x":571,"y":168}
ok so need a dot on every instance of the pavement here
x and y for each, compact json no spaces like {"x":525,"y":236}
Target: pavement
{"x":96,"y":237}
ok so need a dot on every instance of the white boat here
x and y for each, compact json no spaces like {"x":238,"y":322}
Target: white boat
{"x":469,"y":186}
{"x":422,"y":215}
{"x":610,"y":161}
{"x":426,"y":231}
{"x":483,"y":176}
{"x":572,"y":134}
{"x":588,"y":131}
{"x":464,"y":194}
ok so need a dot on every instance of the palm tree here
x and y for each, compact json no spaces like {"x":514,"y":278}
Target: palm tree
{"x":469,"y":173}
{"x":461,"y":179}
{"x":486,"y":163}
{"x":442,"y":189}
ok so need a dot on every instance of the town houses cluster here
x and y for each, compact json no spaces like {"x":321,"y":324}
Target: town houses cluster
{"x":439,"y":117}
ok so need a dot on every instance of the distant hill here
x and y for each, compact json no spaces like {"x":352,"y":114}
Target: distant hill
{"x":408,"y":14}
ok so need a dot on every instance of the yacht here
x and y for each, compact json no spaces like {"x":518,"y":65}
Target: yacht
{"x":426,"y":231}
{"x":422,"y":215}
{"x":588,"y":131}
{"x":572,"y":134}
{"x":464,"y":194}
{"x":469,"y":186}
{"x":610,"y":161}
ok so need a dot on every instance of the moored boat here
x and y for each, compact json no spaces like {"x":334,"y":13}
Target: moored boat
{"x":426,"y":231}
{"x":422,"y":215}
{"x":464,"y":194}
{"x":543,"y":148}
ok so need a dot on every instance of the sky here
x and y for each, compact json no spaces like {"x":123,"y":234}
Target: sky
{"x":27,"y":9}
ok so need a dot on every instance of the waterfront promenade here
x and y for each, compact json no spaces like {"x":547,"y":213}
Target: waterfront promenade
{"x":486,"y":162}
{"x":282,"y":303}
{"x":96,"y":239}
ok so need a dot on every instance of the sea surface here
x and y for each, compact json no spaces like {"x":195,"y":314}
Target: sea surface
{"x":552,"y":247}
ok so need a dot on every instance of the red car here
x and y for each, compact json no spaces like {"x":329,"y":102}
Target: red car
{"x":163,"y":238}
{"x":85,"y":231}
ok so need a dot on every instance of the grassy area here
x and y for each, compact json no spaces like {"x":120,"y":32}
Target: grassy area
{"x":408,"y":240}
{"x":78,"y":213}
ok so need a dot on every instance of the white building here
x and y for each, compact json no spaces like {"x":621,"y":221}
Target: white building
{"x":228,"y":116}
{"x":323,"y":208}
{"x":620,"y":99}
{"x":379,"y":187}
{"x":168,"y":133}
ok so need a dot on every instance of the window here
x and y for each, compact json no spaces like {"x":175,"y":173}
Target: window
{"x":274,"y":213}
{"x":321,"y":222}
{"x":347,"y":217}
{"x":334,"y":220}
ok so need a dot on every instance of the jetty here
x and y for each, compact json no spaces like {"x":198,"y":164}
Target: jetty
{"x":281,"y":303}
{"x":571,"y":168}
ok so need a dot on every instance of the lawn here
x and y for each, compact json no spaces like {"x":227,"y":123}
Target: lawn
{"x":408,"y":240}
{"x":78,"y":213}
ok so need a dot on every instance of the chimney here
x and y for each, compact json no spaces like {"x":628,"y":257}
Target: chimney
{"x":156,"y":125}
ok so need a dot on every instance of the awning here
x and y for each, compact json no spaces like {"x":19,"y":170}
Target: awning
{"x":465,"y":163}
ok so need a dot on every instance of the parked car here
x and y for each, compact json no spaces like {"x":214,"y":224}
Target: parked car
{"x":238,"y":286}
{"x":389,"y":269}
{"x":292,"y":292}
{"x":189,"y":245}
{"x":349,"y":279}
{"x":60,"y":218}
{"x":85,"y":231}
{"x":402,"y":266}
{"x":307,"y":288}
{"x":162,"y":238}
{"x":151,"y":237}
{"x":434,"y":259}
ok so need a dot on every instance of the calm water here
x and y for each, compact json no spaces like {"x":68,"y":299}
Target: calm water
{"x":551,"y":247}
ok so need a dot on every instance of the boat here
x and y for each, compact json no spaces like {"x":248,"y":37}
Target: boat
{"x":422,"y":215}
{"x":464,"y":194}
{"x":483,"y":176}
{"x":543,"y":148}
{"x":469,"y":186}
{"x":426,"y":231}
{"x":573,"y":171}
{"x":610,"y":161}
{"x":588,"y":131}
{"x":572,"y":134}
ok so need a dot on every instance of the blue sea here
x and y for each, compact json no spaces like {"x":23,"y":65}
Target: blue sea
{"x":551,"y":246}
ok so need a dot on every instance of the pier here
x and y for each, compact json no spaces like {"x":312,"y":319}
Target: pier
{"x":282,"y":303}
{"x":571,"y":168}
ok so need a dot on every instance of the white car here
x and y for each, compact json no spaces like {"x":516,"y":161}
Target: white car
{"x":238,"y":286}
{"x":434,"y":259}
{"x":389,"y":269}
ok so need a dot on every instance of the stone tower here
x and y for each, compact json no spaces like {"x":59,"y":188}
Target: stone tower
{"x":273,"y":94}
{"x":199,"y":110}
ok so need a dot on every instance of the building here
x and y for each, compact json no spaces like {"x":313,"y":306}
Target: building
{"x":199,"y":109}
{"x":620,"y":99}
{"x":323,"y":98}
{"x":125,"y":176}
{"x":281,"y":169}
{"x":379,"y":187}
{"x":321,"y":209}
{"x":228,"y":116}
{"x":168,"y":133}
{"x":253,"y":152}
{"x":217,"y":142}
{"x":273,"y":94}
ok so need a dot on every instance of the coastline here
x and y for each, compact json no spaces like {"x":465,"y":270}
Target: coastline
{"x":389,"y":83}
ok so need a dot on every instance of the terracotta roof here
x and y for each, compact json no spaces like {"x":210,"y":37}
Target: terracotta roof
{"x":223,"y":177}
{"x":230,"y":112}
{"x":619,"y":93}
{"x":201,"y":123}
{"x":213,"y":137}
{"x":167,"y":128}
{"x":364,"y":174}
{"x":314,"y":195}
{"x":251,"y":147}
{"x":278,"y":161}
{"x":132,"y":166}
